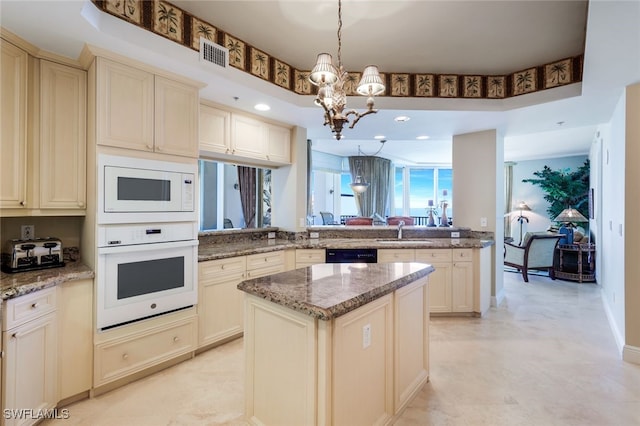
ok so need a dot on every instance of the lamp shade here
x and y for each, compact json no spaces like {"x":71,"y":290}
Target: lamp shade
{"x":323,"y":72}
{"x":523,"y":206}
{"x":359,"y":185}
{"x":370,"y":83}
{"x":570,"y":215}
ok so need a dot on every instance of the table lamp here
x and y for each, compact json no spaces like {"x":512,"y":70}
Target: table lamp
{"x":567,"y":217}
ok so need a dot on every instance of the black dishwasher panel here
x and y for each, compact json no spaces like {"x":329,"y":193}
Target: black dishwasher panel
{"x":351,"y":256}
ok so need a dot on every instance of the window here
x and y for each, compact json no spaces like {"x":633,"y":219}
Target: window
{"x":415,"y":186}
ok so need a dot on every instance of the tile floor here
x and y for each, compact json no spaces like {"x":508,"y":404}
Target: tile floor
{"x":546,"y":356}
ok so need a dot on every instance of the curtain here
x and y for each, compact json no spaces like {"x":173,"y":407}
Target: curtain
{"x":508,"y":197}
{"x":376,"y":171}
{"x":309,"y":184}
{"x":247,"y":186}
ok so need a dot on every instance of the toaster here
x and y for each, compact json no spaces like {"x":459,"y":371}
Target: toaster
{"x":27,"y":255}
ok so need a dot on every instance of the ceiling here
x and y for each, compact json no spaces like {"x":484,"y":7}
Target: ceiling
{"x":459,"y":37}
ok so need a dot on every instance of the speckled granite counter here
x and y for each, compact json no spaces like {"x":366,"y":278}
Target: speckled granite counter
{"x":327,"y":291}
{"x":241,"y":248}
{"x":20,"y":283}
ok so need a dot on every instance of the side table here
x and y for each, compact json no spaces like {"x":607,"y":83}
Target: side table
{"x":576,"y":262}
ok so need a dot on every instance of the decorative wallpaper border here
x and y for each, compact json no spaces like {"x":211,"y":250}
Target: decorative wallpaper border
{"x":177,"y":25}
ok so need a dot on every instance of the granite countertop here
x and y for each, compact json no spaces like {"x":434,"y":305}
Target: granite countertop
{"x":20,"y":283}
{"x":327,"y":291}
{"x":230,"y":249}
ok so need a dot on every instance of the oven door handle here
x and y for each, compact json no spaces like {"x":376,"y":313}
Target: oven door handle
{"x":146,"y":247}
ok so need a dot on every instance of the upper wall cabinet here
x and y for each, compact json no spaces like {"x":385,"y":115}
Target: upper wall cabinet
{"x":232,"y":136}
{"x":139,"y":110}
{"x":13,"y":126}
{"x":43,"y":145}
{"x":63,"y":136}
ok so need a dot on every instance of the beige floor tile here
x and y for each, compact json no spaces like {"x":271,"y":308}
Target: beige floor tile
{"x":545,"y":356}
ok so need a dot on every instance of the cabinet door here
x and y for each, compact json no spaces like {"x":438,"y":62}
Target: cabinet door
{"x":440,"y":290}
{"x":125,"y":108}
{"x":63,"y":104}
{"x":13,"y":116}
{"x":247,"y":137}
{"x":214,"y":130}
{"x":462,"y":286}
{"x":75,"y":337}
{"x":278,"y":144}
{"x":30,"y":377}
{"x":176,"y":118}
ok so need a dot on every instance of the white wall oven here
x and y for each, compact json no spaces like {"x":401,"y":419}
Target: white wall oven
{"x":144,"y":270}
{"x":134,"y":190}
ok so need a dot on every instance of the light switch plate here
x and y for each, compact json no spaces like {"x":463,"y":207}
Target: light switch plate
{"x":366,"y":336}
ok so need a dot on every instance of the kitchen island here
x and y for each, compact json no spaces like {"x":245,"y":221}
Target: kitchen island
{"x":336,"y":344}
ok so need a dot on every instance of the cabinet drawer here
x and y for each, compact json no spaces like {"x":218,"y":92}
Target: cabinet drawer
{"x":403,"y":255}
{"x":214,"y":268}
{"x":121,"y":357}
{"x":427,"y":255}
{"x":463,"y":255}
{"x":267,"y":270}
{"x":310,"y":256}
{"x":30,"y":306}
{"x":265,"y":260}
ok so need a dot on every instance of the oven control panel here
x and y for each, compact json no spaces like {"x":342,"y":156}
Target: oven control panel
{"x":145,"y":233}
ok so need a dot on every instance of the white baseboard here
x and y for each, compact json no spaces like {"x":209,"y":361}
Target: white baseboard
{"x":631,"y":354}
{"x":497,"y":299}
{"x":617,"y":335}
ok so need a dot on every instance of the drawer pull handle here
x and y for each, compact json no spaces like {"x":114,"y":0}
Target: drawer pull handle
{"x":176,"y":339}
{"x":35,"y":305}
{"x":125,"y":356}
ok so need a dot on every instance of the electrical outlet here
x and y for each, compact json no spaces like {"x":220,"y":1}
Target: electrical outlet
{"x":27,"y":232}
{"x":483,"y":222}
{"x":366,"y":336}
{"x":455,"y":234}
{"x":314,"y":235}
{"x":271,"y":235}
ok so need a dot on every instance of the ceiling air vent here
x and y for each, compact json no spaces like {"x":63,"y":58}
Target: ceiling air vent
{"x":213,"y":53}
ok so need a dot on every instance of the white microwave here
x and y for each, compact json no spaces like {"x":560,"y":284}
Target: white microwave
{"x":134,"y":190}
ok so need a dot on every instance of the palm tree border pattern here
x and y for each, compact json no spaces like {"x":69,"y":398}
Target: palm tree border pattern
{"x":547,"y":76}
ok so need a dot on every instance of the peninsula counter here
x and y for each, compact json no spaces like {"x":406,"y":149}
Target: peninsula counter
{"x":336,"y":344}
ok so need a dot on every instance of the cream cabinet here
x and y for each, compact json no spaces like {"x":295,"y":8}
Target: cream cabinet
{"x":13,"y":126}
{"x":30,"y":355}
{"x":214,"y":130}
{"x":220,"y":303}
{"x":462,"y":280}
{"x":137,"y":109}
{"x":396,"y":255}
{"x":439,"y":280}
{"x":124,"y":351}
{"x":75,"y":338}
{"x":308,"y":257}
{"x":254,"y":139}
{"x":262,"y":264}
{"x":63,"y":137}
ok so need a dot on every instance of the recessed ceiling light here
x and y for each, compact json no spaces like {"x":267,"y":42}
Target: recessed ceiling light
{"x":402,"y":118}
{"x":378,"y":137}
{"x":422,"y":137}
{"x":262,"y":107}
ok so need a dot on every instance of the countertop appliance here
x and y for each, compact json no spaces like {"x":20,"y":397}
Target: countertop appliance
{"x":354,"y":255}
{"x":28,"y":255}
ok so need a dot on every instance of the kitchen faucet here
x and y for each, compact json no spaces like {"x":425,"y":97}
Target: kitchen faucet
{"x":400,"y":225}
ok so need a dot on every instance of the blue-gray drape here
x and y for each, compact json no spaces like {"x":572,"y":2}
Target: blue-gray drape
{"x":376,"y":171}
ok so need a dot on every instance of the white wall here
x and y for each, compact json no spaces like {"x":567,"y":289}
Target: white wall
{"x":611,"y":245}
{"x":533,"y":195}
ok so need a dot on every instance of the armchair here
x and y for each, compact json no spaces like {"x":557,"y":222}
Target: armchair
{"x":327,"y":219}
{"x":537,"y":252}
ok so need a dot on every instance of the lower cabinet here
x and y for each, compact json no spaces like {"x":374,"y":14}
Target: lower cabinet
{"x":308,"y":257}
{"x":30,"y":358}
{"x":75,"y":338}
{"x":220,"y":303}
{"x":126,"y":350}
{"x":462,"y":281}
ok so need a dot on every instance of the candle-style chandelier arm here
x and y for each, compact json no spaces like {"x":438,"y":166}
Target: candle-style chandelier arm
{"x":359,"y":115}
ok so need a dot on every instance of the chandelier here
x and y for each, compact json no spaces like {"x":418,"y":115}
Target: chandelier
{"x":330,"y":80}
